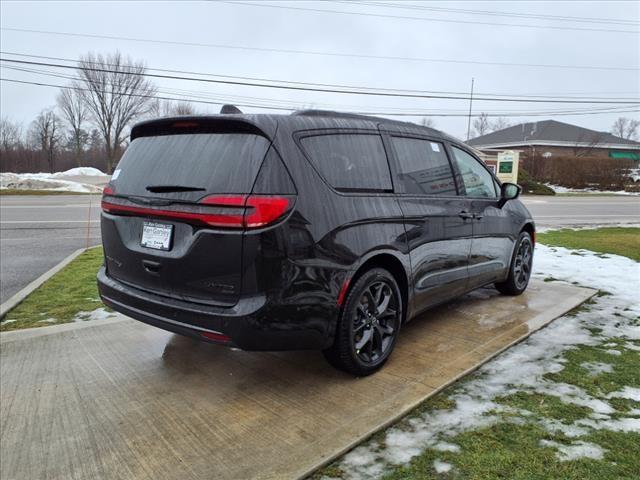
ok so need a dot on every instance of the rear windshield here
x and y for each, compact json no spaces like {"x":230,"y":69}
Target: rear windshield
{"x":215,"y":162}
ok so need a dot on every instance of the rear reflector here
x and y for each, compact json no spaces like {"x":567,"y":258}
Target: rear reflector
{"x":343,"y":291}
{"x":229,"y":211}
{"x":218,"y":337}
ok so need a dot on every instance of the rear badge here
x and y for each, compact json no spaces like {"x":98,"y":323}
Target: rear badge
{"x":156,"y":235}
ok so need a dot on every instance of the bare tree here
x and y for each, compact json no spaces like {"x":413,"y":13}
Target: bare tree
{"x":74,"y":112}
{"x":45,"y":134}
{"x":158,"y":108}
{"x":10,"y":134}
{"x":626,"y":128}
{"x":167,"y":108}
{"x":586,"y":144}
{"x":481,"y":125}
{"x":116,"y":92}
{"x":500,"y":123}
{"x":428,"y":122}
{"x":183,"y":108}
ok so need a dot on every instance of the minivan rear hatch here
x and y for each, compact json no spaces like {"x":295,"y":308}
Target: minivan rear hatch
{"x":178,"y":203}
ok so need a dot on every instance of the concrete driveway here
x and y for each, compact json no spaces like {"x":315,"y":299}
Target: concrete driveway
{"x":120,"y":399}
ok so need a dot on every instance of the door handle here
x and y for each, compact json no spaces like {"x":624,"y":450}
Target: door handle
{"x":477,"y":217}
{"x":465,"y":215}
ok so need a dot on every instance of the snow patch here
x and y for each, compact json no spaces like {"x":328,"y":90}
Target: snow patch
{"x":68,"y":181}
{"x":48,"y":320}
{"x":575,"y":450}
{"x":441,"y":467}
{"x":618,"y":425}
{"x":629,"y":393}
{"x":84,"y":171}
{"x":446,"y":447}
{"x":596,"y":368}
{"x":561,"y":189}
{"x":632,"y":346}
{"x":97,"y":314}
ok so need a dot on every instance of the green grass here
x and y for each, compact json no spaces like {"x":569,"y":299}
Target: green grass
{"x":512,"y":451}
{"x":62,"y":297}
{"x":625,"y":368}
{"x":617,"y":240}
{"x":18,"y":191}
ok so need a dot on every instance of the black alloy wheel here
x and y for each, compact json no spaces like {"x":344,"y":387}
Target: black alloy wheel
{"x":375,"y":322}
{"x":369,"y":324}
{"x":520,"y":268}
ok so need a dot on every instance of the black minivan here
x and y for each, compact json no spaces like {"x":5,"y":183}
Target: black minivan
{"x":315,"y":230}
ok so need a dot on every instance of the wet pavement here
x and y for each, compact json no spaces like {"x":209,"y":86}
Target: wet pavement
{"x":120,"y":399}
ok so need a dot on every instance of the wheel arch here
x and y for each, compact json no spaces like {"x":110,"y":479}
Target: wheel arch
{"x":530,"y":229}
{"x":393,"y":265}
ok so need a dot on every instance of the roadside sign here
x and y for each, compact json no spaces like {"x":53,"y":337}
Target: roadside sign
{"x":507,"y":168}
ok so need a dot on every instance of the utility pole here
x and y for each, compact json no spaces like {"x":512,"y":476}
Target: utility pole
{"x":470,"y":105}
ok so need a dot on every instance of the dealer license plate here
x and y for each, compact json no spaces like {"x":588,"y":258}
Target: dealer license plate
{"x":156,"y":235}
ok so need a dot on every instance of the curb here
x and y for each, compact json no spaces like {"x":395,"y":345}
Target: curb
{"x":26,"y":291}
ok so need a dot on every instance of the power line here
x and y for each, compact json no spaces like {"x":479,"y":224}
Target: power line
{"x":186,"y":72}
{"x":443,"y":20}
{"x":404,"y":114}
{"x":320,"y":53}
{"x":298,"y":105}
{"x":322,"y":90}
{"x":556,"y":18}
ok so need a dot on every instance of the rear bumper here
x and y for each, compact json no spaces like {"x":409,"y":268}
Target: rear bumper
{"x":252,"y":324}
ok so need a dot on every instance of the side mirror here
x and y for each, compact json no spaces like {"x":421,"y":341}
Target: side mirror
{"x":509,"y":191}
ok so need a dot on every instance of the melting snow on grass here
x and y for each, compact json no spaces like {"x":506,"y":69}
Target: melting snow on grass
{"x":441,"y":467}
{"x":97,"y":314}
{"x":597,"y":368}
{"x":575,"y":450}
{"x":523,"y":368}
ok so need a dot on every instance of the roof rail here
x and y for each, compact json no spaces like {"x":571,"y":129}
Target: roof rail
{"x":331,"y":113}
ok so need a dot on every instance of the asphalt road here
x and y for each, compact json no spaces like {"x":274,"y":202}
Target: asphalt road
{"x":36,"y":232}
{"x":573,"y":211}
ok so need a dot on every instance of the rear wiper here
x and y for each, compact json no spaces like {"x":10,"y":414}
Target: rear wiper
{"x":173,"y":188}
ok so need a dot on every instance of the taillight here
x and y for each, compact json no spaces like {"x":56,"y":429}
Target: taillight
{"x":228,"y":211}
{"x":265,"y":210}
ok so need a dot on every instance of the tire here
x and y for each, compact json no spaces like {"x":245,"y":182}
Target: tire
{"x":520,"y":268}
{"x":366,"y":336}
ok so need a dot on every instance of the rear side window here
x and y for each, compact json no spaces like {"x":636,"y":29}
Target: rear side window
{"x":215,"y":162}
{"x":423,"y":167}
{"x":350,"y":161}
{"x":478,"y":182}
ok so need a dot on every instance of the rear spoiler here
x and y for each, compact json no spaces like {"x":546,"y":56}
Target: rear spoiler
{"x":196,"y":124}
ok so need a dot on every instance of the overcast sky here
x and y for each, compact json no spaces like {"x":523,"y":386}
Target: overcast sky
{"x":456,"y":36}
